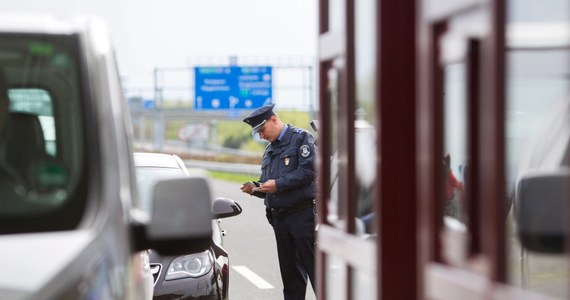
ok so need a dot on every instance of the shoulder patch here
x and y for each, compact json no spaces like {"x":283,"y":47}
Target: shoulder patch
{"x":305,"y":150}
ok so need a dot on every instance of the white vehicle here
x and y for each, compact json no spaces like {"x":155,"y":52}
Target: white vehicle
{"x":71,"y":226}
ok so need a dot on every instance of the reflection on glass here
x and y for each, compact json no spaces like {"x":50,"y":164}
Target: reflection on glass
{"x":537,"y":136}
{"x":365,"y":124}
{"x":37,"y":102}
{"x":365,"y":158}
{"x":333,"y":201}
{"x":454,"y":159}
{"x":537,"y":86}
{"x":537,"y":132}
{"x":457,"y":44}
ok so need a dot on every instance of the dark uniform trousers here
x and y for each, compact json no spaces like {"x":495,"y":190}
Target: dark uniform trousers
{"x":290,"y":162}
{"x":296,"y":233}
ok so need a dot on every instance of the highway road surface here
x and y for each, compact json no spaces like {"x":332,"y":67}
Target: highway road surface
{"x":254,"y":268}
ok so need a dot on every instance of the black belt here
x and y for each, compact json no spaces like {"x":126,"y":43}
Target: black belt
{"x":279,"y":212}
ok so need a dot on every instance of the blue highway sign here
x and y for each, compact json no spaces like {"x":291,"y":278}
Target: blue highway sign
{"x":232,"y":87}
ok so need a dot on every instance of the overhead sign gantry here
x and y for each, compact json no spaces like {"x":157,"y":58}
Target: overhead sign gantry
{"x":232,"y":87}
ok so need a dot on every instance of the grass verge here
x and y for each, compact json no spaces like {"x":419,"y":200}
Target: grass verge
{"x":241,"y":178}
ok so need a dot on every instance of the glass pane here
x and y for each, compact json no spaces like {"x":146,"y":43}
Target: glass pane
{"x":455,"y":140}
{"x":455,"y":134}
{"x":537,"y":144}
{"x":336,"y":277}
{"x":336,"y":15}
{"x":456,"y":45}
{"x":365,"y":125}
{"x":333,"y":97}
{"x":42,"y":184}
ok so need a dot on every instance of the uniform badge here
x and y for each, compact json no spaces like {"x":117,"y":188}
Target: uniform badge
{"x":287,"y":160}
{"x":305,"y":151}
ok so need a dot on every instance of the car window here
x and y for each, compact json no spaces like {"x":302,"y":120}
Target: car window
{"x":39,"y":103}
{"x":42,"y":143}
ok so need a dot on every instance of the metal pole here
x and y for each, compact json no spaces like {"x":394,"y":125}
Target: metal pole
{"x":310,"y":91}
{"x":156,"y":88}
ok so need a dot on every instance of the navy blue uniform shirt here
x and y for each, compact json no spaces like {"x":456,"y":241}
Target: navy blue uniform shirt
{"x":290,"y":162}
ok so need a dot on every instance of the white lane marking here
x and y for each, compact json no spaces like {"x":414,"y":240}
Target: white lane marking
{"x":254,"y":278}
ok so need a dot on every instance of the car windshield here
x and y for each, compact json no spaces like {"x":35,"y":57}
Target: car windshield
{"x":42,"y":144}
{"x":146,"y":177}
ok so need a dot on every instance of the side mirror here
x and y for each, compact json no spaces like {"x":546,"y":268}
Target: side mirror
{"x":541,"y":211}
{"x":224,"y":208}
{"x":178,"y":225}
{"x":315,"y":125}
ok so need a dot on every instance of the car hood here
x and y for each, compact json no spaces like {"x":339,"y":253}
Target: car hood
{"x":31,"y":261}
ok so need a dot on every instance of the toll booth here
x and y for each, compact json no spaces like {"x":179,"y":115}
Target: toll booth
{"x":443,"y":149}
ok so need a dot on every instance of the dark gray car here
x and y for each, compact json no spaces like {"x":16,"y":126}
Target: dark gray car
{"x":194,"y":275}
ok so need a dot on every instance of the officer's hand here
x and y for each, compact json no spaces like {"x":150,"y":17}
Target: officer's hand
{"x":268,"y":187}
{"x":247,"y":187}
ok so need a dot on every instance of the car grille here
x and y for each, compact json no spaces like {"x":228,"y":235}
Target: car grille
{"x":155,"y":269}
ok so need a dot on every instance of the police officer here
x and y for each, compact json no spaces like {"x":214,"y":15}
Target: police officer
{"x":287,"y":184}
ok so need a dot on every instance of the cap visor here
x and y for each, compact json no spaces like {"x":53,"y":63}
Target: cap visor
{"x":257,"y":128}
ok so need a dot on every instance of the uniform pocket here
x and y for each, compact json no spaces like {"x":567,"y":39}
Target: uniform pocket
{"x":288,"y":159}
{"x":265,"y":168}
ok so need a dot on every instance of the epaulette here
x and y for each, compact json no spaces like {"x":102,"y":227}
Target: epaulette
{"x":298,"y":130}
{"x":302,"y":132}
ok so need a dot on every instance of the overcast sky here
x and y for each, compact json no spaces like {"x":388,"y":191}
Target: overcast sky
{"x":170,"y":33}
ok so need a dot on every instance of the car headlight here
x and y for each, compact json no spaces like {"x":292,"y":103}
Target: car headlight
{"x":193,"y":265}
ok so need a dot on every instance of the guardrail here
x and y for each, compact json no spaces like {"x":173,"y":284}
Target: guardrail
{"x":247,"y":169}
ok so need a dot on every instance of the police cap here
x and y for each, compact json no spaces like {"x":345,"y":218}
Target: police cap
{"x":259,"y":116}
